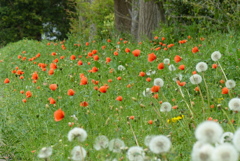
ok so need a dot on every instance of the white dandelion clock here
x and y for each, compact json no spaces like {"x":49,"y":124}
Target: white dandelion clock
{"x":201,"y":66}
{"x":236,"y":140}
{"x":230,"y":84}
{"x":78,"y":153}
{"x":135,"y":153}
{"x":158,"y":82}
{"x":147,"y":139}
{"x":45,"y":152}
{"x":204,"y":153}
{"x":150,"y":72}
{"x":178,"y":77}
{"x":196,"y":79}
{"x":121,"y":67}
{"x":225,"y":152}
{"x":166,"y":107}
{"x":160,"y":144}
{"x":234,"y":104}
{"x":116,"y":145}
{"x":147,"y":92}
{"x":216,"y":55}
{"x":226,"y":137}
{"x":77,"y":133}
{"x":101,"y":142}
{"x":209,"y":132}
{"x":171,"y":67}
{"x":197,"y":145}
{"x":166,"y":61}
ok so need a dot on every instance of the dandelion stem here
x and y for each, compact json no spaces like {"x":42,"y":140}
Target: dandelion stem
{"x":201,"y":96}
{"x":133,"y":133}
{"x":233,"y":129}
{"x":185,"y":100}
{"x":222,"y":70}
{"x":208,"y":96}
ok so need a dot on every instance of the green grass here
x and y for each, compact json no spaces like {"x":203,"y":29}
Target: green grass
{"x":28,"y":127}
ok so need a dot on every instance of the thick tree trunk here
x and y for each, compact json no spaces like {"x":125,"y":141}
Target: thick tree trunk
{"x":150,"y":15}
{"x":122,"y":15}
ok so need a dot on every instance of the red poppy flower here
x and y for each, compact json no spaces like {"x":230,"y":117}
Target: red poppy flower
{"x":34,"y":76}
{"x":94,"y":51}
{"x":84,"y":104}
{"x":127,"y":50}
{"x":7,"y":80}
{"x":83,"y":80}
{"x":53,"y":87}
{"x":119,"y":98}
{"x":71,"y":92}
{"x":131,"y":117}
{"x":72,"y":57}
{"x":94,"y":69}
{"x":155,"y":88}
{"x":28,"y":94}
{"x":141,"y":74}
{"x":195,"y":49}
{"x":222,"y":81}
{"x":24,"y":100}
{"x":53,"y":66}
{"x":51,"y":72}
{"x":225,"y":90}
{"x":214,"y":66}
{"x":51,"y":100}
{"x":80,"y":62}
{"x":59,"y":115}
{"x":161,"y":66}
{"x":108,"y":60}
{"x":103,"y":89}
{"x":181,"y":67}
{"x":177,"y":58}
{"x":115,"y":53}
{"x":151,"y":57}
{"x":150,"y":122}
{"x":148,"y":79}
{"x":95,"y":57}
{"x":136,"y":52}
{"x":181,"y":83}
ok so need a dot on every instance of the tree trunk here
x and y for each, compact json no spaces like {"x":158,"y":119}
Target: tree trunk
{"x":122,"y":15}
{"x":135,"y":17}
{"x":150,"y":15}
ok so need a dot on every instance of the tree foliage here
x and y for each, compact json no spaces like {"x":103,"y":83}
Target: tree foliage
{"x":25,"y":18}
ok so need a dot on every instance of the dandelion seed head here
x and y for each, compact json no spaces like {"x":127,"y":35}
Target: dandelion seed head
{"x":178,"y":77}
{"x":77,"y":133}
{"x":160,"y":144}
{"x":147,"y":139}
{"x":226,"y":137}
{"x":78,"y":153}
{"x":121,"y":67}
{"x":204,"y":153}
{"x":234,"y":104}
{"x":165,"y":107}
{"x":209,"y":132}
{"x":201,"y":66}
{"x":236,"y":140}
{"x":135,"y":153}
{"x":101,"y":142}
{"x":158,"y":82}
{"x":116,"y":145}
{"x":216,"y":55}
{"x":196,"y":79}
{"x":147,"y":92}
{"x":171,"y":67}
{"x":230,"y":84}
{"x":166,"y":61}
{"x":45,"y":152}
{"x":225,"y":152}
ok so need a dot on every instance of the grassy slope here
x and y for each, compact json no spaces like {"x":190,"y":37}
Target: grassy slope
{"x":30,"y":126}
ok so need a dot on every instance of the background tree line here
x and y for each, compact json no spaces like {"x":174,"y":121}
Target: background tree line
{"x":91,"y":19}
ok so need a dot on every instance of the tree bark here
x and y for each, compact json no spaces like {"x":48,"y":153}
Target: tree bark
{"x":122,"y":15}
{"x":135,"y":17}
{"x":150,"y":15}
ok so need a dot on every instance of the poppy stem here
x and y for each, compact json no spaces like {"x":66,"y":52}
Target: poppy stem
{"x":233,"y":129}
{"x":133,"y":133}
{"x":222,"y":70}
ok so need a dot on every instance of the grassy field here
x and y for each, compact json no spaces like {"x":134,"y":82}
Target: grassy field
{"x":125,"y":110}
